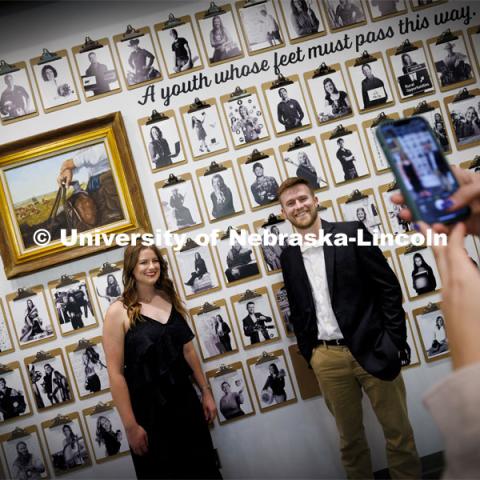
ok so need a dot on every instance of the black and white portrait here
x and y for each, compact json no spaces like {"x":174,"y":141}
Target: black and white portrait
{"x":287,"y":107}
{"x":383,"y":8}
{"x":179,"y":205}
{"x":16,"y":96}
{"x":25,"y":458}
{"x":97,"y":71}
{"x":55,"y":83}
{"x":475,"y":42}
{"x":204,"y":130}
{"x":49,"y":382}
{"x":272,"y":382}
{"x":436,"y":121}
{"x":421,"y":273}
{"x":139,"y":60}
{"x":465,"y":119}
{"x":261,"y":26}
{"x":108,"y":287}
{"x":397,"y":224}
{"x":221,"y":194}
{"x":365,"y":211}
{"x":197,"y":270}
{"x":379,"y":160}
{"x":74,"y":308}
{"x":214,"y":333}
{"x":90,"y":369}
{"x":302,"y":17}
{"x":107,"y":434}
{"x":163,"y":143}
{"x":431,"y":327}
{"x":305,"y":162}
{"x":180,"y":49}
{"x":283,"y":306}
{"x":274,"y":242}
{"x":220,"y":37}
{"x":246,"y":120}
{"x":6,"y":344}
{"x":31,"y":319}
{"x":417,"y":4}
{"x":13,"y":398}
{"x":238,"y":262}
{"x":452,"y":63}
{"x":344,"y":13}
{"x":370,"y":83}
{"x":231,"y":395}
{"x":412,"y":73}
{"x":67,"y":447}
{"x":256,"y":321}
{"x":346,"y":157}
{"x":330,"y":97}
{"x":262,"y":179}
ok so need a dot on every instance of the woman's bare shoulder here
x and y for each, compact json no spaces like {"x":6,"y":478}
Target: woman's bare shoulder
{"x":117,"y":311}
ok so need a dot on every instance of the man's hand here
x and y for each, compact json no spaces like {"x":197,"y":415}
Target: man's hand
{"x":66,"y":173}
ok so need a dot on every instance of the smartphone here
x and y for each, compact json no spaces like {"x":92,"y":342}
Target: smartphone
{"x":421,"y":170}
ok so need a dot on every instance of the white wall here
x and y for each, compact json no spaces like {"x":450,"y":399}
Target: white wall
{"x":296,"y":441}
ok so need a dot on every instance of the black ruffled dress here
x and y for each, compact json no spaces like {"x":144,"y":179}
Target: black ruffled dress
{"x":165,"y":403}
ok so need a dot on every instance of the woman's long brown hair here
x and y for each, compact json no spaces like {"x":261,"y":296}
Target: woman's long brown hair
{"x":130,"y":294}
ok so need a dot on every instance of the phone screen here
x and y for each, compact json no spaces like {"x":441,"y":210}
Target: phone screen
{"x":421,"y":169}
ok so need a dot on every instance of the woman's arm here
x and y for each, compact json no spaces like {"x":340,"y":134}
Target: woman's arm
{"x":113,"y":344}
{"x":209,"y":408}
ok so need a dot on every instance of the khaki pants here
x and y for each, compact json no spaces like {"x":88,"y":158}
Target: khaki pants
{"x":341,"y":380}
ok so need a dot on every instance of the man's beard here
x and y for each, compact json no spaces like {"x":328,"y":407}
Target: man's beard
{"x":305,"y":223}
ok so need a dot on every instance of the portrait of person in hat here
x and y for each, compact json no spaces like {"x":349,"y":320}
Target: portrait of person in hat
{"x":454,"y":66}
{"x":140,"y":64}
{"x":264,"y":189}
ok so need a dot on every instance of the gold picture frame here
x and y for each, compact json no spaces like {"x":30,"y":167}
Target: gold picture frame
{"x":106,"y":133}
{"x":5,"y":332}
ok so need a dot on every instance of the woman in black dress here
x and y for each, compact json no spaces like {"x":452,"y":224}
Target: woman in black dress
{"x":221,"y":197}
{"x":150,"y":357}
{"x":422,"y":275}
{"x":106,"y":436}
{"x":159,"y":149}
{"x":200,"y":269}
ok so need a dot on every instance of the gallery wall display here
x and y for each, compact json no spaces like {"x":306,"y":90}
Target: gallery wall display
{"x":421,"y":4}
{"x":380,"y":9}
{"x":396,"y":224}
{"x":342,"y":15}
{"x":304,"y":20}
{"x":306,"y":380}
{"x":15,"y":402}
{"x":27,"y":206}
{"x":107,"y":284}
{"x":326,"y":210}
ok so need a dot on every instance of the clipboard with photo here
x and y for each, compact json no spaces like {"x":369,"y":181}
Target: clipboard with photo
{"x":107,"y":284}
{"x":344,"y":15}
{"x":451,"y":60}
{"x":179,"y":203}
{"x":54,"y":78}
{"x":474,"y":36}
{"x":286,"y":105}
{"x":392,"y":210}
{"x":31,"y":318}
{"x":246,"y":121}
{"x":162,"y":140}
{"x":334,"y":102}
{"x":281,"y":300}
{"x":219,"y":34}
{"x":345,"y":154}
{"x":421,"y":4}
{"x":17,"y":100}
{"x":306,"y":379}
{"x":411,"y":71}
{"x":260,"y":25}
{"x":231,"y":392}
{"x":138,"y":57}
{"x":96,"y":68}
{"x":214,"y":330}
{"x":220,"y":191}
{"x":472,"y":165}
{"x":380,"y":163}
{"x":433,"y":114}
{"x":73,"y":302}
{"x":381,"y":10}
{"x":6,"y":341}
{"x":179,"y":45}
{"x":198,"y":271}
{"x":370,"y":83}
{"x":272,"y":380}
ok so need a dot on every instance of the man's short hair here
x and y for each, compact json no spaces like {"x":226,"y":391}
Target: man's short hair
{"x":256,"y":165}
{"x":293,"y":182}
{"x":340,"y":140}
{"x":250,"y":303}
{"x":280,"y":89}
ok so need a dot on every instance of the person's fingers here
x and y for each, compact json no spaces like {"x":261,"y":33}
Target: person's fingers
{"x":457,"y":256}
{"x":406,"y":214}
{"x":464,"y":196}
{"x":398,"y":198}
{"x":463,"y":176}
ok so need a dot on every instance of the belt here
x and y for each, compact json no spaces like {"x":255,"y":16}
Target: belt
{"x":340,"y":342}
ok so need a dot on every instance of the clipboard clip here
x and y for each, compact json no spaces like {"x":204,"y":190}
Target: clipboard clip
{"x":7,"y":68}
{"x":340,"y":131}
{"x":189,"y":245}
{"x":321,"y":207}
{"x":213,"y":10}
{"x":423,"y":107}
{"x":298,"y":143}
{"x":197,"y":105}
{"x":83,"y":344}
{"x":281,"y":81}
{"x":414,"y":248}
{"x":475,"y":162}
{"x":251,"y":3}
{"x":265,"y":357}
{"x":273,"y":220}
{"x":445,"y":37}
{"x":207,"y":308}
{"x":66,"y":280}
{"x":380,"y":118}
{"x":228,"y":232}
{"x":172,"y":180}
{"x":5,"y":369}
{"x":47,"y":57}
{"x":18,"y":433}
{"x":431,"y":307}
{"x":59,"y":420}
{"x":130,"y":34}
{"x":323,"y":70}
{"x":238,"y":93}
{"x":214,"y":167}
{"x":101,"y":407}
{"x":405,"y":47}
{"x":24,"y":293}
{"x":41,"y":356}
{"x":108,"y":267}
{"x":172,"y":22}
{"x":249,"y":295}
{"x":392,"y":186}
{"x":355,"y":196}
{"x":255,"y":156}
{"x":223,"y":370}
{"x":463,"y":94}
{"x":90,"y":45}
{"x":364,"y":59}
{"x":156,"y":117}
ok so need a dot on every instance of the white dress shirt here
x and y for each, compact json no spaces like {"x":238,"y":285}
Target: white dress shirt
{"x":314,"y":260}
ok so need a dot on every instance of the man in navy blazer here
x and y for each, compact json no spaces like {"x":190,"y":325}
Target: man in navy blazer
{"x":346,"y":309}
